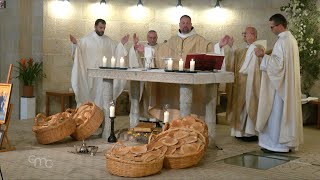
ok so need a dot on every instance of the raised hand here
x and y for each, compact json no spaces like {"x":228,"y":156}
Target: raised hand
{"x":139,"y":47}
{"x":125,"y":39}
{"x":224,"y":41}
{"x":259,"y":52}
{"x":230,"y":41}
{"x":135,"y":39}
{"x":73,"y":39}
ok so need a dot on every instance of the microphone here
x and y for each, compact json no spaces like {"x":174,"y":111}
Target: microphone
{"x":172,"y":49}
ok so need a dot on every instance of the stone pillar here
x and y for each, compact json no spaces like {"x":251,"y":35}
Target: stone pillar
{"x":185,"y":99}
{"x":107,"y":97}
{"x":210,"y":116}
{"x":135,"y":96}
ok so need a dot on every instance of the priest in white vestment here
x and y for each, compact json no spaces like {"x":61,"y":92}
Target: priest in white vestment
{"x":279,"y":121}
{"x":144,"y":60}
{"x":89,"y":52}
{"x":243,"y":94}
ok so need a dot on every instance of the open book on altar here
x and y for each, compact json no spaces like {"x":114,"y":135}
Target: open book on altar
{"x":205,"y":62}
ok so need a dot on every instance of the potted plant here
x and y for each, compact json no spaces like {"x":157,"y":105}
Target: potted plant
{"x":29,"y":72}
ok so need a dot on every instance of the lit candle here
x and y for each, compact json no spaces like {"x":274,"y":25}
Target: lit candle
{"x":121,"y":62}
{"x":113,"y":62}
{"x":181,"y":65}
{"x":104,"y":61}
{"x":166,"y":117}
{"x":192,"y":63}
{"x":170,"y":64}
{"x":112,"y":110}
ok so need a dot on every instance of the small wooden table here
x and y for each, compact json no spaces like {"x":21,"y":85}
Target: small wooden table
{"x":62,"y":95}
{"x":317,"y":103}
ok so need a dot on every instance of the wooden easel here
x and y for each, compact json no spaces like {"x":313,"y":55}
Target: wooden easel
{"x":5,"y":145}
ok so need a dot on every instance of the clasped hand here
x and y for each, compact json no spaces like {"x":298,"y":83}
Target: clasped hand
{"x":259,"y":52}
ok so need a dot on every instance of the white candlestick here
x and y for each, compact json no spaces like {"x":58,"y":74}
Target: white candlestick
{"x":113,"y":62}
{"x":170,"y":64}
{"x":121,"y":62}
{"x":112,"y":111}
{"x":192,"y":64}
{"x":166,"y":117}
{"x":104,"y":61}
{"x":181,"y":65}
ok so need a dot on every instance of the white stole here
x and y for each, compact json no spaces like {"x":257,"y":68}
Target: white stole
{"x":248,"y":68}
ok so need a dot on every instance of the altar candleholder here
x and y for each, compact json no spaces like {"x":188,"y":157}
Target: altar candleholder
{"x":112,"y":138}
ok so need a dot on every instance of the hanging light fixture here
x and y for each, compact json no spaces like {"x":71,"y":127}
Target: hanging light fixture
{"x":179,"y":4}
{"x":65,"y":0}
{"x":139,"y":4}
{"x":103,"y":2}
{"x":217,"y":4}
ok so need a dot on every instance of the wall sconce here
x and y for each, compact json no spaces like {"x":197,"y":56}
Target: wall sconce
{"x":179,"y":4}
{"x":140,"y":4}
{"x":217,"y":4}
{"x":103,"y":2}
{"x":2,"y":4}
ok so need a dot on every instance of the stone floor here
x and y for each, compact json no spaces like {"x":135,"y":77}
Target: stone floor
{"x":58,"y":163}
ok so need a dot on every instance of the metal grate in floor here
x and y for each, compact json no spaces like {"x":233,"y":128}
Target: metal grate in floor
{"x":259,"y":160}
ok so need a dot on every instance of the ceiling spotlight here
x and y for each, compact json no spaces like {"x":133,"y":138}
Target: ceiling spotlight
{"x":103,"y":2}
{"x":179,"y":4}
{"x":217,"y":4}
{"x":139,"y":4}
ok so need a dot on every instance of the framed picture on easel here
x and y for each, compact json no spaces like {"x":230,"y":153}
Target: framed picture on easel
{"x":1,"y":136}
{"x":2,"y":4}
{"x":5,"y":93}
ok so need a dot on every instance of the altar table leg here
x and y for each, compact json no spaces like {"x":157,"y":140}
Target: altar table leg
{"x":108,"y":97}
{"x":185,"y":99}
{"x":135,"y":96}
{"x":210,"y":116}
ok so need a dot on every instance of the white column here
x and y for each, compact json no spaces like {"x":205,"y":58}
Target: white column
{"x":210,"y":116}
{"x":134,"y":110}
{"x":27,"y":107}
{"x":185,"y":99}
{"x":107,"y":97}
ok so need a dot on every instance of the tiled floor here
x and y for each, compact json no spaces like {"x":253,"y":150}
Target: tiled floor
{"x":58,"y":163}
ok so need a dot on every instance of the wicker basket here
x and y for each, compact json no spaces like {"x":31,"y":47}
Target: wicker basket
{"x":204,"y":133}
{"x":173,"y":162}
{"x":190,"y":160}
{"x":86,"y":129}
{"x":125,"y":168}
{"x":51,"y":134}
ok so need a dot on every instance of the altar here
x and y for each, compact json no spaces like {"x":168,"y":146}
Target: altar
{"x":185,"y":80}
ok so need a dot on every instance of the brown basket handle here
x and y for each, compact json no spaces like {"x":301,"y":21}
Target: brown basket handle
{"x":116,"y":144}
{"x":151,"y":137}
{"x":71,"y":111}
{"x":88,"y":103}
{"x":82,"y":113}
{"x":39,"y":117}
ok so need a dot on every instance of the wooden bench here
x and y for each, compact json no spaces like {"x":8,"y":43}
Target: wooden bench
{"x":317,"y":103}
{"x":61,"y":95}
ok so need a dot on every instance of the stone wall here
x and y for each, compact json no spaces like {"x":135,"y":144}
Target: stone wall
{"x":77,"y":18}
{"x":20,"y":36}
